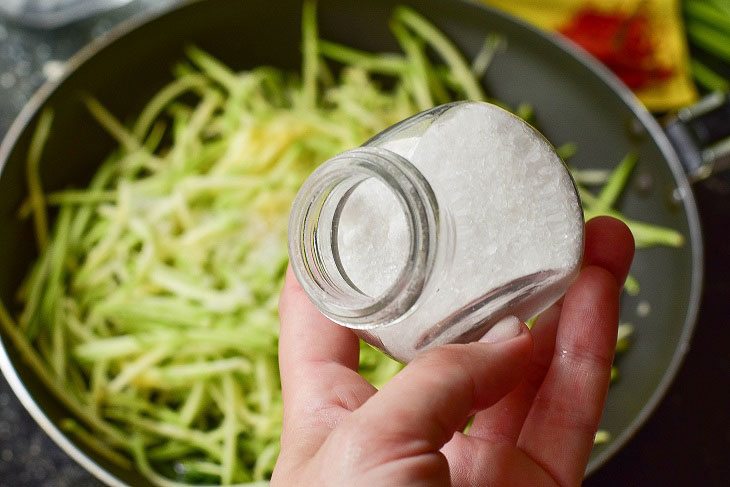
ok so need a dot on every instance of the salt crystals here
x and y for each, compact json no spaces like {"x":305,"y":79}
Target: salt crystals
{"x":510,"y":210}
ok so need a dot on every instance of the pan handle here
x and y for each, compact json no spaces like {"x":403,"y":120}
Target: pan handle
{"x":700,"y":134}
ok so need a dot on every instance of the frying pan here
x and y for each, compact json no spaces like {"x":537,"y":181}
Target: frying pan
{"x":575,"y":99}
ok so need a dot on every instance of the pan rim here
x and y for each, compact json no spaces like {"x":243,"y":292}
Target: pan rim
{"x":124,"y":28}
{"x":686,"y":196}
{"x":34,"y":104}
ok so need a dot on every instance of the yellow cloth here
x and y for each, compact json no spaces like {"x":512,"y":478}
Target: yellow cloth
{"x":666,"y":23}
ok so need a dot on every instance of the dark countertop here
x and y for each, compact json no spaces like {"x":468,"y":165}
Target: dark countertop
{"x":686,"y":442}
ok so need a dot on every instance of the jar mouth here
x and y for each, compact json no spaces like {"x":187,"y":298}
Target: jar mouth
{"x":313,"y":237}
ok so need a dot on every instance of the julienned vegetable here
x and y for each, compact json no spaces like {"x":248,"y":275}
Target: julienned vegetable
{"x":151,"y":310}
{"x":708,"y":28}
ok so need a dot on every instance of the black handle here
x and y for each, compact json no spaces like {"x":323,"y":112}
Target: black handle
{"x":700,"y":134}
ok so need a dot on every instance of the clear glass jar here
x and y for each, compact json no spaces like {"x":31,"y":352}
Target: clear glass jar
{"x":442,"y":288}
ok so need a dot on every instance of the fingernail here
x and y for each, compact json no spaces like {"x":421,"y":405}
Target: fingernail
{"x":506,"y":328}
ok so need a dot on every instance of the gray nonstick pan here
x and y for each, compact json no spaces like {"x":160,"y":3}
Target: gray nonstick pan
{"x":575,"y":99}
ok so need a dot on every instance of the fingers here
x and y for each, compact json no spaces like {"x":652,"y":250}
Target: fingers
{"x":419,"y":410}
{"x":477,"y":462}
{"x":609,"y":244}
{"x":318,"y":363}
{"x":503,"y":421}
{"x":558,"y":431}
{"x":565,"y":413}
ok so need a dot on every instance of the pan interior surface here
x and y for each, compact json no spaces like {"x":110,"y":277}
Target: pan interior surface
{"x":573,"y":101}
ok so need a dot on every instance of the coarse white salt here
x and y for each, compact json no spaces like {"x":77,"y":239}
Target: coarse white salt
{"x":510,"y":228}
{"x":373,"y":237}
{"x":510,"y":197}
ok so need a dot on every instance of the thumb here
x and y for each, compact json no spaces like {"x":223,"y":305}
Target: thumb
{"x":419,"y":410}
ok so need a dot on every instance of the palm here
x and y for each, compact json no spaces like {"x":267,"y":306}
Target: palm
{"x":539,"y":400}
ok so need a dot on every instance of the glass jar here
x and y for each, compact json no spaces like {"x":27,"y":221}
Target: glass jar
{"x":437,"y":228}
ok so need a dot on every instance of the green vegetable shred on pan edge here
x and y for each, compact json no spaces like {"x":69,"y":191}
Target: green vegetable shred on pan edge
{"x":151,"y":312}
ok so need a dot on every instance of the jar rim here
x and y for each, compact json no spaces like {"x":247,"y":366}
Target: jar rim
{"x":313,"y":237}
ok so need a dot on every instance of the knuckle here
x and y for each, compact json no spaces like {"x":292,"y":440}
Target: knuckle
{"x":566,"y":416}
{"x":585,"y":356}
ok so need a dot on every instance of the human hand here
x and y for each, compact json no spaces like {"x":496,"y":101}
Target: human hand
{"x":538,"y":394}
